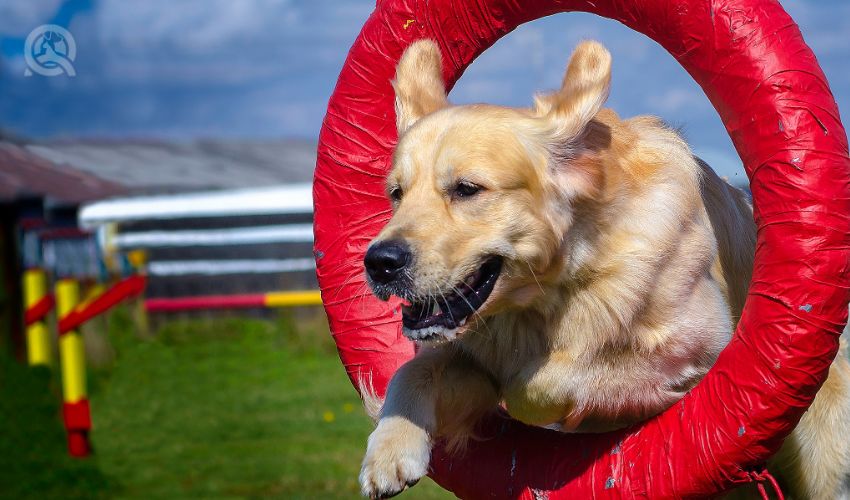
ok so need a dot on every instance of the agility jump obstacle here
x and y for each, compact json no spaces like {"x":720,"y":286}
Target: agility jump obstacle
{"x":71,"y":314}
{"x":751,"y":61}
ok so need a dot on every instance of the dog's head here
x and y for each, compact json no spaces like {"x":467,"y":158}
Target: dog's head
{"x":482,"y":196}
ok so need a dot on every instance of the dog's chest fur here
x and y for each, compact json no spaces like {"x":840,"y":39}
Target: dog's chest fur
{"x":618,"y":349}
{"x":588,"y":388}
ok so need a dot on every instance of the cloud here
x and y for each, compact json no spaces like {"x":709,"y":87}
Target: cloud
{"x":674,"y":100}
{"x":192,"y":68}
{"x":197,"y":26}
{"x":266,"y":68}
{"x":218,"y":42}
{"x":491,"y":91}
{"x":18,"y":18}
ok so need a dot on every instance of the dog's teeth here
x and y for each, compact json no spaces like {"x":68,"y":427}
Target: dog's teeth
{"x":436,"y":310}
{"x":430,"y":334}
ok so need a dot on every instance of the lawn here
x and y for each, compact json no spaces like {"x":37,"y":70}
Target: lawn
{"x":224,"y":408}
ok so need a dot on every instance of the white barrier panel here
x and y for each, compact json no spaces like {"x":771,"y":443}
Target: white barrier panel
{"x":215,"y":267}
{"x":292,"y":233}
{"x":289,"y":199}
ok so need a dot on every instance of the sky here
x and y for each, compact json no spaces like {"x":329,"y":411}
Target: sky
{"x":264,"y":69}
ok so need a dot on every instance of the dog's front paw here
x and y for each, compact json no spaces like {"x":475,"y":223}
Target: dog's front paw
{"x":397,"y":457}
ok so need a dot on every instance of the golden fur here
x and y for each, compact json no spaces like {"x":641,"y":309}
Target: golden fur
{"x":626,"y":263}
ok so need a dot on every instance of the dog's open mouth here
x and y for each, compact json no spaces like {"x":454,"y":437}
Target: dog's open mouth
{"x":439,"y":318}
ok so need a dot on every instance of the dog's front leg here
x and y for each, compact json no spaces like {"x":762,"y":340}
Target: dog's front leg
{"x":437,"y":393}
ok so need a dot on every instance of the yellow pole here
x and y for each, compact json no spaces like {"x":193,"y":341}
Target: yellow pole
{"x":38,"y":336}
{"x":71,"y":348}
{"x":73,"y":358}
{"x":294,"y":298}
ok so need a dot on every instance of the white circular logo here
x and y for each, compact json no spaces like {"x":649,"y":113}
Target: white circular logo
{"x":50,"y":50}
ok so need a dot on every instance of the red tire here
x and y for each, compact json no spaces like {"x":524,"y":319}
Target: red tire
{"x":752,"y":62}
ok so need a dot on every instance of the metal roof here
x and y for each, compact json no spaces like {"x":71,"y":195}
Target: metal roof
{"x":153,"y":167}
{"x":24,"y":174}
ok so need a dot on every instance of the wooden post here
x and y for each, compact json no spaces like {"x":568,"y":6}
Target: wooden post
{"x":75,"y":406}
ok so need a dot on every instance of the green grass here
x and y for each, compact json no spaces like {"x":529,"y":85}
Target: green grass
{"x":225,"y":408}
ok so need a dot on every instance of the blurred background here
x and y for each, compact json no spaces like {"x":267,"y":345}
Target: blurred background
{"x":155,"y":209}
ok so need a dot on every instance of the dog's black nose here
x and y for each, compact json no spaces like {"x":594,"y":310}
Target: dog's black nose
{"x":386,"y":259}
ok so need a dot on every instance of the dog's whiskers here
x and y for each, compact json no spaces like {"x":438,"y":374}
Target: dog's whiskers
{"x":361,"y":292}
{"x":531,"y":270}
{"x":446,"y":302}
{"x":474,"y":310}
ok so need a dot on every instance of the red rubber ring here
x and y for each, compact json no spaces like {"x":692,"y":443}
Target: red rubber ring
{"x":752,"y":62}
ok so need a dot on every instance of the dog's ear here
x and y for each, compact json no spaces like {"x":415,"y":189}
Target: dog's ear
{"x":583,"y":92}
{"x":418,"y":84}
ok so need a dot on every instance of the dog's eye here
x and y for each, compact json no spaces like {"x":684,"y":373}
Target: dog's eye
{"x":395,"y":193}
{"x":465,"y":190}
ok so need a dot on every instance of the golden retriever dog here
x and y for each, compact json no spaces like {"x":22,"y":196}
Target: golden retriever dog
{"x":580,"y":270}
